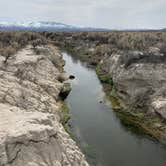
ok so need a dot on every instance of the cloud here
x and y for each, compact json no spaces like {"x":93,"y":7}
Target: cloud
{"x":108,"y":13}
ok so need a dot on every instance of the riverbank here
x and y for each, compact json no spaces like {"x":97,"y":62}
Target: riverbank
{"x":32,"y":85}
{"x":146,"y":123}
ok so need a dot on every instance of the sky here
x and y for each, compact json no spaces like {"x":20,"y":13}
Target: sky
{"x":114,"y":14}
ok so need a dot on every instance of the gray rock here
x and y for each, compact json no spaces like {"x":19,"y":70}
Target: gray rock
{"x":63,"y":77}
{"x":141,"y":84}
{"x":30,"y":129}
{"x":65,"y":90}
{"x":71,"y":77}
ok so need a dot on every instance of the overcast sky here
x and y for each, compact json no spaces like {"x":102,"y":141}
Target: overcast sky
{"x":91,"y":13}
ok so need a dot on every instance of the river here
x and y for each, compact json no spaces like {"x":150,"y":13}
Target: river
{"x":98,"y":131}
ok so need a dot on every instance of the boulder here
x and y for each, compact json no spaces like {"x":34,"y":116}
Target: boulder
{"x":71,"y":77}
{"x":63,"y":77}
{"x":65,"y":90}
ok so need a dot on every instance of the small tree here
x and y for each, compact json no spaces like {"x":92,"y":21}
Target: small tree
{"x":7,"y":53}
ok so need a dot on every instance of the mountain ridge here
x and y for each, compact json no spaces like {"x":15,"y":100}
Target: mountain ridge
{"x":44,"y":25}
{"x":58,"y":26}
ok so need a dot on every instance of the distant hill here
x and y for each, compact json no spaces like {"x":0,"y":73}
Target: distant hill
{"x":56,"y":26}
{"x":44,"y":26}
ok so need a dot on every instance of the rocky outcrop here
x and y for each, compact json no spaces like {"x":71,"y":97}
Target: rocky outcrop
{"x":30,"y":130}
{"x":140,"y":80}
{"x":65,"y":91}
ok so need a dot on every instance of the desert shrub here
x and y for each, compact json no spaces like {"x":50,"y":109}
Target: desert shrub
{"x":38,"y":42}
{"x":35,"y":43}
{"x":7,"y":53}
{"x":130,"y":57}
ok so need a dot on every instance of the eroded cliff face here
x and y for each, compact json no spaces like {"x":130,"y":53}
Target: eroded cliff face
{"x":30,"y":130}
{"x":139,"y":79}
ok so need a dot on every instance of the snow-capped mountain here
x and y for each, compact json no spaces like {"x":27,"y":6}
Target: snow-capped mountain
{"x":42,"y":26}
{"x":34,"y":25}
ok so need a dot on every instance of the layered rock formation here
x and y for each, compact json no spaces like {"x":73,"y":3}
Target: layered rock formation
{"x":30,"y":112}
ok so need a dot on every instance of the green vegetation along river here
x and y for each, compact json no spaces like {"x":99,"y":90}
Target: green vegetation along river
{"x":98,"y":131}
